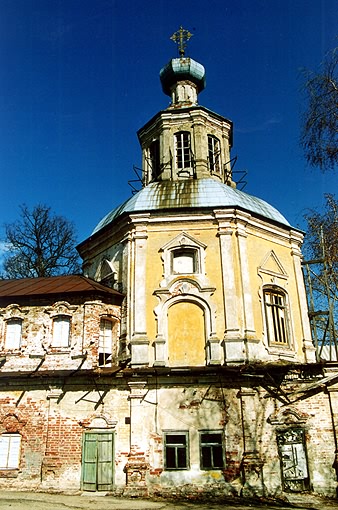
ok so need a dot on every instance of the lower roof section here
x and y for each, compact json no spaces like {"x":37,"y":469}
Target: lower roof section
{"x":53,"y":285}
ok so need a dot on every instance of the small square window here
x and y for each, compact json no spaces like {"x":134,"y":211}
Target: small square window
{"x":61,"y":331}
{"x":10,"y":451}
{"x":13,"y":334}
{"x":176,"y":450}
{"x":211,"y":448}
{"x":184,"y":261}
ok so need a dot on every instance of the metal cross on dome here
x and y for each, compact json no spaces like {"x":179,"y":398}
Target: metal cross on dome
{"x":180,"y":38}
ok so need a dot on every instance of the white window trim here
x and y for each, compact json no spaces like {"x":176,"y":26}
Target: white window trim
{"x":10,"y":446}
{"x":61,"y":331}
{"x":13,"y":333}
{"x":185,"y":162}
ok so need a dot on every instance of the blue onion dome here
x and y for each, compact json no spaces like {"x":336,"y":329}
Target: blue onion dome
{"x":182,"y":69}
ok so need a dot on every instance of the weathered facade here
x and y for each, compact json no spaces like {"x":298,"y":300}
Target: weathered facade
{"x":182,"y":362}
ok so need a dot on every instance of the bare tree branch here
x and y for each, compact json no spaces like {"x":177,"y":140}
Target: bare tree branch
{"x":319,"y":137}
{"x":40,"y":244}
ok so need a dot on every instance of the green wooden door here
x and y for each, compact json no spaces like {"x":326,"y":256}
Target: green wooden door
{"x":97,"y":461}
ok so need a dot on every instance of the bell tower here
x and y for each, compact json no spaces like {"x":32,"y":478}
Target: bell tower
{"x":185,"y":141}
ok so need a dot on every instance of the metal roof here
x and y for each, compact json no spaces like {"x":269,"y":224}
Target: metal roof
{"x":52,"y":285}
{"x":192,"y":193}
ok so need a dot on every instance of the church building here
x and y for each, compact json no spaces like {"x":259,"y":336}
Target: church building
{"x":181,"y":362}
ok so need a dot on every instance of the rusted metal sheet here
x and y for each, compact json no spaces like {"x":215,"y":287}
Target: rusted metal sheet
{"x":52,"y":285}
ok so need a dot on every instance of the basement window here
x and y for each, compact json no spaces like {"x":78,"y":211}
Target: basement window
{"x":10,"y":451}
{"x":105,"y":343}
{"x":61,"y":331}
{"x":13,"y":334}
{"x":211,"y":450}
{"x":277,"y":321}
{"x":176,"y":450}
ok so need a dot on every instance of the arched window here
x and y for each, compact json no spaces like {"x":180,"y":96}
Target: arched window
{"x":61,"y":331}
{"x":13,"y":334}
{"x":105,"y":343}
{"x":186,"y":334}
{"x":276,"y":313}
{"x":183,"y":150}
{"x":214,"y":154}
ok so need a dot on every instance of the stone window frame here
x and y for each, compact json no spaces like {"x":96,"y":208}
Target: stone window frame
{"x":274,"y":314}
{"x":60,"y":346}
{"x":178,"y":448}
{"x":212,"y":445}
{"x":57,"y":310}
{"x":9,"y":450}
{"x":183,"y":242}
{"x":12,"y":312}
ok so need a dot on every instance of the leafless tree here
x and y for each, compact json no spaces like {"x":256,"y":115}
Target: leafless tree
{"x":40,"y":243}
{"x":321,"y":268}
{"x":319,"y":137}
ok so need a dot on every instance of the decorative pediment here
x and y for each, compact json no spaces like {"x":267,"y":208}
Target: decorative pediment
{"x":60,"y":308}
{"x":272,"y":265}
{"x":183,"y":240}
{"x":14,"y":311}
{"x":102,"y":422}
{"x":289,"y":416}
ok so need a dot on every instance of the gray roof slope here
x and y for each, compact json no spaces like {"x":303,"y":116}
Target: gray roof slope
{"x":192,"y":193}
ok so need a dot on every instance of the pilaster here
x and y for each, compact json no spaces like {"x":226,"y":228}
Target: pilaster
{"x":308,"y":347}
{"x":233,"y":339}
{"x":248,"y":318}
{"x":252,"y":464}
{"x":139,"y":343}
{"x":137,"y":465}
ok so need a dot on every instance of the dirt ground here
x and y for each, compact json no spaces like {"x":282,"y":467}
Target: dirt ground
{"x":14,"y":500}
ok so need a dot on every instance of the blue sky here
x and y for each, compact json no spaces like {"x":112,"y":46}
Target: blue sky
{"x":80,"y":77}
